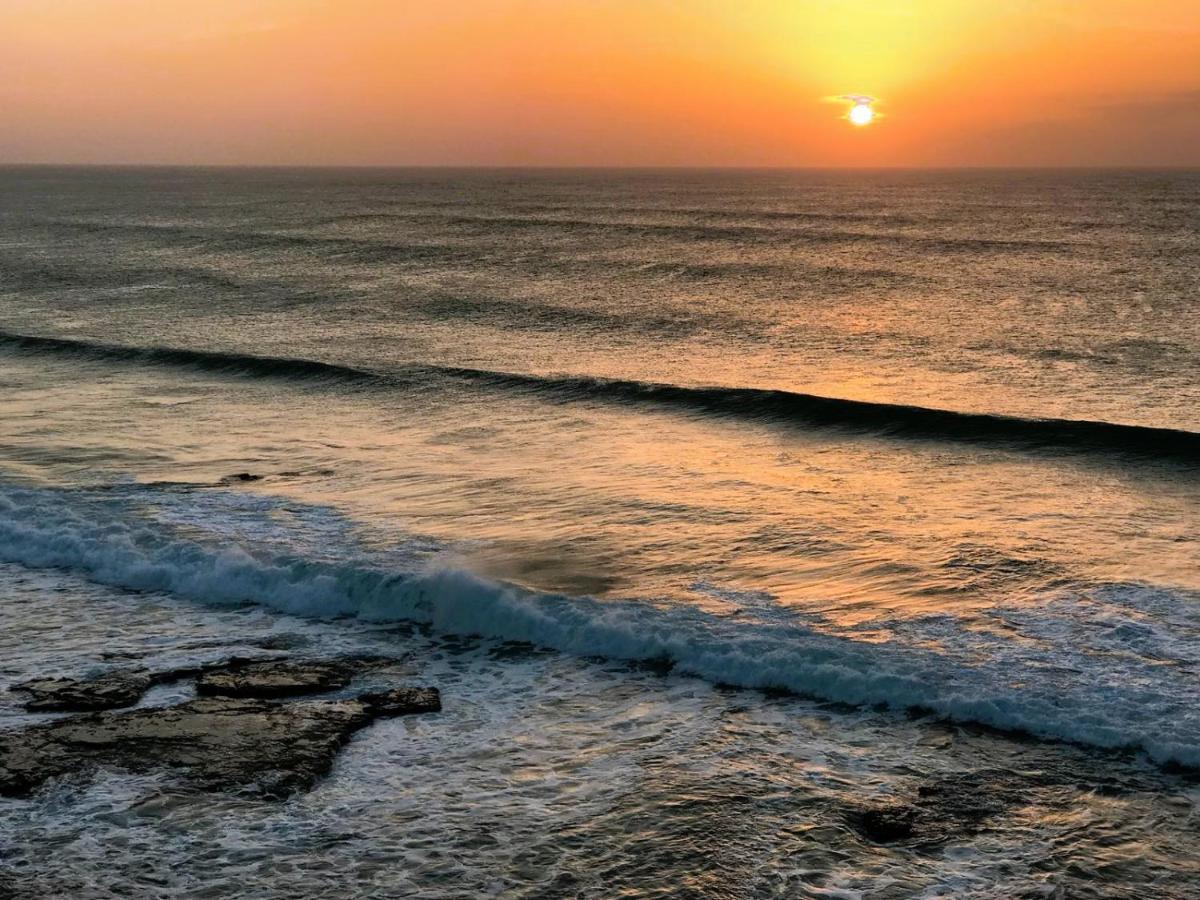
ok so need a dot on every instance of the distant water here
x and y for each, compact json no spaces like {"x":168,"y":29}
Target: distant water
{"x":919,"y":453}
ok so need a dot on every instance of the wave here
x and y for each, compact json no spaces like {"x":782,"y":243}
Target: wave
{"x":439,"y":211}
{"x":761,"y":234}
{"x":789,"y":408}
{"x":1065,"y":696}
{"x":793,"y":276}
{"x":861,"y":416}
{"x":45,"y":273}
{"x":225,"y":240}
{"x":207,"y":360}
{"x":537,"y":316}
{"x":494,"y":226}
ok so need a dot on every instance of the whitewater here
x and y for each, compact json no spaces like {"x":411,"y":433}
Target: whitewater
{"x":1104,"y":705}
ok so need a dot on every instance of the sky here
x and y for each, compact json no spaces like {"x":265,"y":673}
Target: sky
{"x":600,"y":82}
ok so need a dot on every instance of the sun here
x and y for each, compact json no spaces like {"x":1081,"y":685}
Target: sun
{"x":861,"y":111}
{"x":861,"y":114}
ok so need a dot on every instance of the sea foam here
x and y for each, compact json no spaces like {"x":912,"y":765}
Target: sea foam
{"x":1143,"y":701}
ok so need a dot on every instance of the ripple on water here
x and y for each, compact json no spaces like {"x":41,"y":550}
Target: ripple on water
{"x":551,"y":776}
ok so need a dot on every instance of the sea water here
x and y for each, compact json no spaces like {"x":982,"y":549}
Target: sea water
{"x":717,"y":504}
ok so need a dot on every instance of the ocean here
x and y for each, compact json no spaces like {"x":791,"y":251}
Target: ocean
{"x":720,"y":506}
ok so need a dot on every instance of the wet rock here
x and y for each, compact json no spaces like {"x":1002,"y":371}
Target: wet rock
{"x":944,"y":808}
{"x":402,"y":701}
{"x":280,"y":678}
{"x":218,"y":743}
{"x":233,"y":677}
{"x":110,"y":690}
{"x":967,"y":799}
{"x":240,"y":478}
{"x":884,"y":824}
{"x":279,"y":642}
{"x":270,"y":642}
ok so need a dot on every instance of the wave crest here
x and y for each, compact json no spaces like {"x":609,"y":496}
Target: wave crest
{"x":993,"y":686}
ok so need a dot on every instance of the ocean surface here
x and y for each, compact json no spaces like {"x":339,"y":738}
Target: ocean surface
{"x":717,"y":504}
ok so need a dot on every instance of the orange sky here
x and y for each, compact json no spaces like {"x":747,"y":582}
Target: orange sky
{"x":600,"y":82}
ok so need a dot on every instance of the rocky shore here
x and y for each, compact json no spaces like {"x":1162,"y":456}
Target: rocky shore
{"x":239,"y":734}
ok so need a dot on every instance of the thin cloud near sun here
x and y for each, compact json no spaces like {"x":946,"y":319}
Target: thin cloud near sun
{"x":861,"y":110}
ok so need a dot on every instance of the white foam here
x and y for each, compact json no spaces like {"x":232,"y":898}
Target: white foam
{"x":1135,"y":699}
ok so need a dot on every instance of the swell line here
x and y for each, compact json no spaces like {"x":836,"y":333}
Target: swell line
{"x":208,"y":360}
{"x":791,"y":408}
{"x":877,"y":419}
{"x":368,"y":250}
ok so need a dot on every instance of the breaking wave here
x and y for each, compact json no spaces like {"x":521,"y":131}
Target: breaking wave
{"x":1082,"y":689}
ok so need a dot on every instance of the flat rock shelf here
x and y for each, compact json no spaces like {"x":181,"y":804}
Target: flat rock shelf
{"x":240,"y":736}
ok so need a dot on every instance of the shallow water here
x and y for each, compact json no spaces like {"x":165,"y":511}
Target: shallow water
{"x":531,"y":423}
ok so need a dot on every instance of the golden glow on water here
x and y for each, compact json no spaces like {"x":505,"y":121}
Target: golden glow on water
{"x":810,"y":283}
{"x":657,"y":505}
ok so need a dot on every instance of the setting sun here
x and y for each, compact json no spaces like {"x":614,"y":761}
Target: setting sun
{"x":490,"y":82}
{"x":861,"y":114}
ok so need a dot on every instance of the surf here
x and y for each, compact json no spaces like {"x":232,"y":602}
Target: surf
{"x":1010,"y":688}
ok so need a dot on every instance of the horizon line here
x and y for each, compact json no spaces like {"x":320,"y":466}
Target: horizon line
{"x":23,"y":164}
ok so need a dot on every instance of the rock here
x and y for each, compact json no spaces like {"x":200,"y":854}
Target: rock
{"x":403,"y":701}
{"x":947,"y":807}
{"x":277,"y":678}
{"x":234,"y":677}
{"x":967,"y":799}
{"x":884,"y":824}
{"x":265,"y":747}
{"x":240,"y":477}
{"x":107,"y":691}
{"x":270,"y":642}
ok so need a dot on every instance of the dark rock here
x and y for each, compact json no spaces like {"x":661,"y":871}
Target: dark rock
{"x":403,"y":701}
{"x":264,"y":747}
{"x":968,"y":798}
{"x":270,"y":642}
{"x":107,"y":691}
{"x":240,"y":477}
{"x":277,"y":678}
{"x":884,"y":824}
{"x":947,"y":807}
{"x":279,"y":642}
{"x":233,"y":677}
